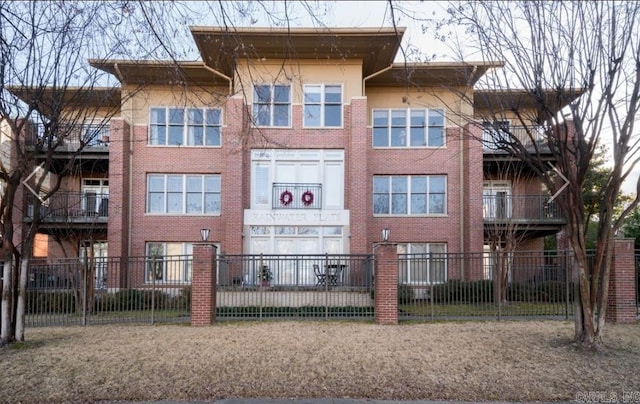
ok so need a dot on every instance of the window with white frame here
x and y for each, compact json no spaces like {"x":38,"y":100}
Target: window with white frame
{"x":272,"y":105}
{"x":322,"y":105}
{"x":422,"y":263}
{"x":409,"y":194}
{"x":185,"y":126}
{"x":169,"y":262}
{"x":408,"y":128}
{"x":189,"y":194}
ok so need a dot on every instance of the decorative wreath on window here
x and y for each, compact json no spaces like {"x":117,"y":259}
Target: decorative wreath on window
{"x":307,"y":198}
{"x":286,"y":198}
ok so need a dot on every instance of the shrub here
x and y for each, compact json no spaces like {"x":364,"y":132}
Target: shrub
{"x":518,"y":292}
{"x":42,"y":302}
{"x":554,"y":292}
{"x":405,"y":294}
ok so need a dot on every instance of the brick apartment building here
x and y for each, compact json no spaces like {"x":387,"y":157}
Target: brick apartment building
{"x":298,"y":141}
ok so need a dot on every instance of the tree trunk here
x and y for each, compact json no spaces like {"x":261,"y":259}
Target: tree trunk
{"x":22,"y":299}
{"x":6,"y":329}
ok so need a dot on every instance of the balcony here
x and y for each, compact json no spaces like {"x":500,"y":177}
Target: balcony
{"x":296,"y":196}
{"x":71,"y":207}
{"x":530,"y":208}
{"x":494,"y":139}
{"x":95,"y":137}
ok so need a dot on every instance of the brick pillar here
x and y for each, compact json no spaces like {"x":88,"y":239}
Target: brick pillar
{"x":203,"y":284}
{"x":386,"y":284}
{"x":621,"y":304}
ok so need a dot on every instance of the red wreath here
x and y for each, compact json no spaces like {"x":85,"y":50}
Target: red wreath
{"x":286,"y":198}
{"x":307,"y":198}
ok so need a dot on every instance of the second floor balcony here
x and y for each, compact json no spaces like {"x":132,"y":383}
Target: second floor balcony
{"x":502,"y":208}
{"x":92,"y":137}
{"x":71,"y":207}
{"x":296,"y":196}
{"x":496,"y":137}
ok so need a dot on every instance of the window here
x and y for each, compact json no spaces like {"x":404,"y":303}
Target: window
{"x":422,"y":263}
{"x":272,"y":105}
{"x":183,"y":194}
{"x":322,"y":105}
{"x":408,"y":128}
{"x":180,"y":126}
{"x":169,"y":262}
{"x":409,"y":195}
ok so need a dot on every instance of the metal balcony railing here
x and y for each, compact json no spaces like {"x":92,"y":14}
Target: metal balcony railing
{"x":72,"y":136}
{"x":503,"y":208}
{"x":296,"y":196}
{"x":71,"y":205}
{"x":493,"y":137}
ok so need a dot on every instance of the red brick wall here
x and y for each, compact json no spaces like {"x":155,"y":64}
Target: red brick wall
{"x":386,"y":284}
{"x":203,"y":285}
{"x":621,"y":304}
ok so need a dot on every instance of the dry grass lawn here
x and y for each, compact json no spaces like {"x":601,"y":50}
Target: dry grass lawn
{"x":533,"y":360}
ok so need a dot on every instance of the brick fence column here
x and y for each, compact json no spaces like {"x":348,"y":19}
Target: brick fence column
{"x":386,"y":284}
{"x":621,"y":304}
{"x":203,"y":284}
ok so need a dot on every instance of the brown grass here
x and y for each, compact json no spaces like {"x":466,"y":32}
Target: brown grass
{"x":533,"y":360}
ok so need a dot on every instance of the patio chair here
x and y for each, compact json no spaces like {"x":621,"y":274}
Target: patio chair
{"x":321,"y":277}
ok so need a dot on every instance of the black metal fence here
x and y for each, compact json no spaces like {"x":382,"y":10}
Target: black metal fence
{"x":431,"y":286}
{"x":490,"y":285}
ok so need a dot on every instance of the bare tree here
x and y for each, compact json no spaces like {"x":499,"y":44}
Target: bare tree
{"x":586,"y":55}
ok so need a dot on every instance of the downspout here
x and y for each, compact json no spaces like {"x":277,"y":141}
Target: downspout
{"x":130,"y":193}
{"x":374,"y":75}
{"x":462,"y":176}
{"x":224,"y":76}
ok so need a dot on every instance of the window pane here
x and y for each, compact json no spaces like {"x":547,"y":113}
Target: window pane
{"x":212,"y":183}
{"x":158,"y":134}
{"x":381,"y":203}
{"x":380,"y":118}
{"x":281,"y":115}
{"x":262,"y":114}
{"x":194,"y":183}
{"x":398,"y":136}
{"x":156,"y":202}
{"x":399,"y":184}
{"x":174,"y":183}
{"x":436,"y":117}
{"x":312,"y":115}
{"x":380,"y":137}
{"x":381,"y":184}
{"x":333,"y":94}
{"x":213,"y":117}
{"x":158,"y":116}
{"x":195,"y":116}
{"x":194,"y":202}
{"x":281,"y":94}
{"x":417,"y":137}
{"x":399,"y":118}
{"x":436,"y":203}
{"x":176,"y":116}
{"x":213,"y":136}
{"x":312,"y":94}
{"x":174,"y":202}
{"x":261,"y":94}
{"x":195,"y":134}
{"x":175,"y":135}
{"x":436,"y":137}
{"x":156,"y":183}
{"x":436,"y":184}
{"x":418,"y":204}
{"x":211,"y":203}
{"x":418,"y":118}
{"x":399,"y":204}
{"x":333,"y":115}
{"x":419,"y":185}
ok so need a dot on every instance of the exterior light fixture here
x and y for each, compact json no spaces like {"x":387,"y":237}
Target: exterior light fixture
{"x":204,"y":234}
{"x":385,"y":234}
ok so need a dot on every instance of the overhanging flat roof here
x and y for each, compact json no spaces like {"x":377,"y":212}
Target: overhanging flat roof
{"x":432,"y":74}
{"x":53,"y":98}
{"x":220,"y":48}
{"x":149,"y":72}
{"x":505,"y":100}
